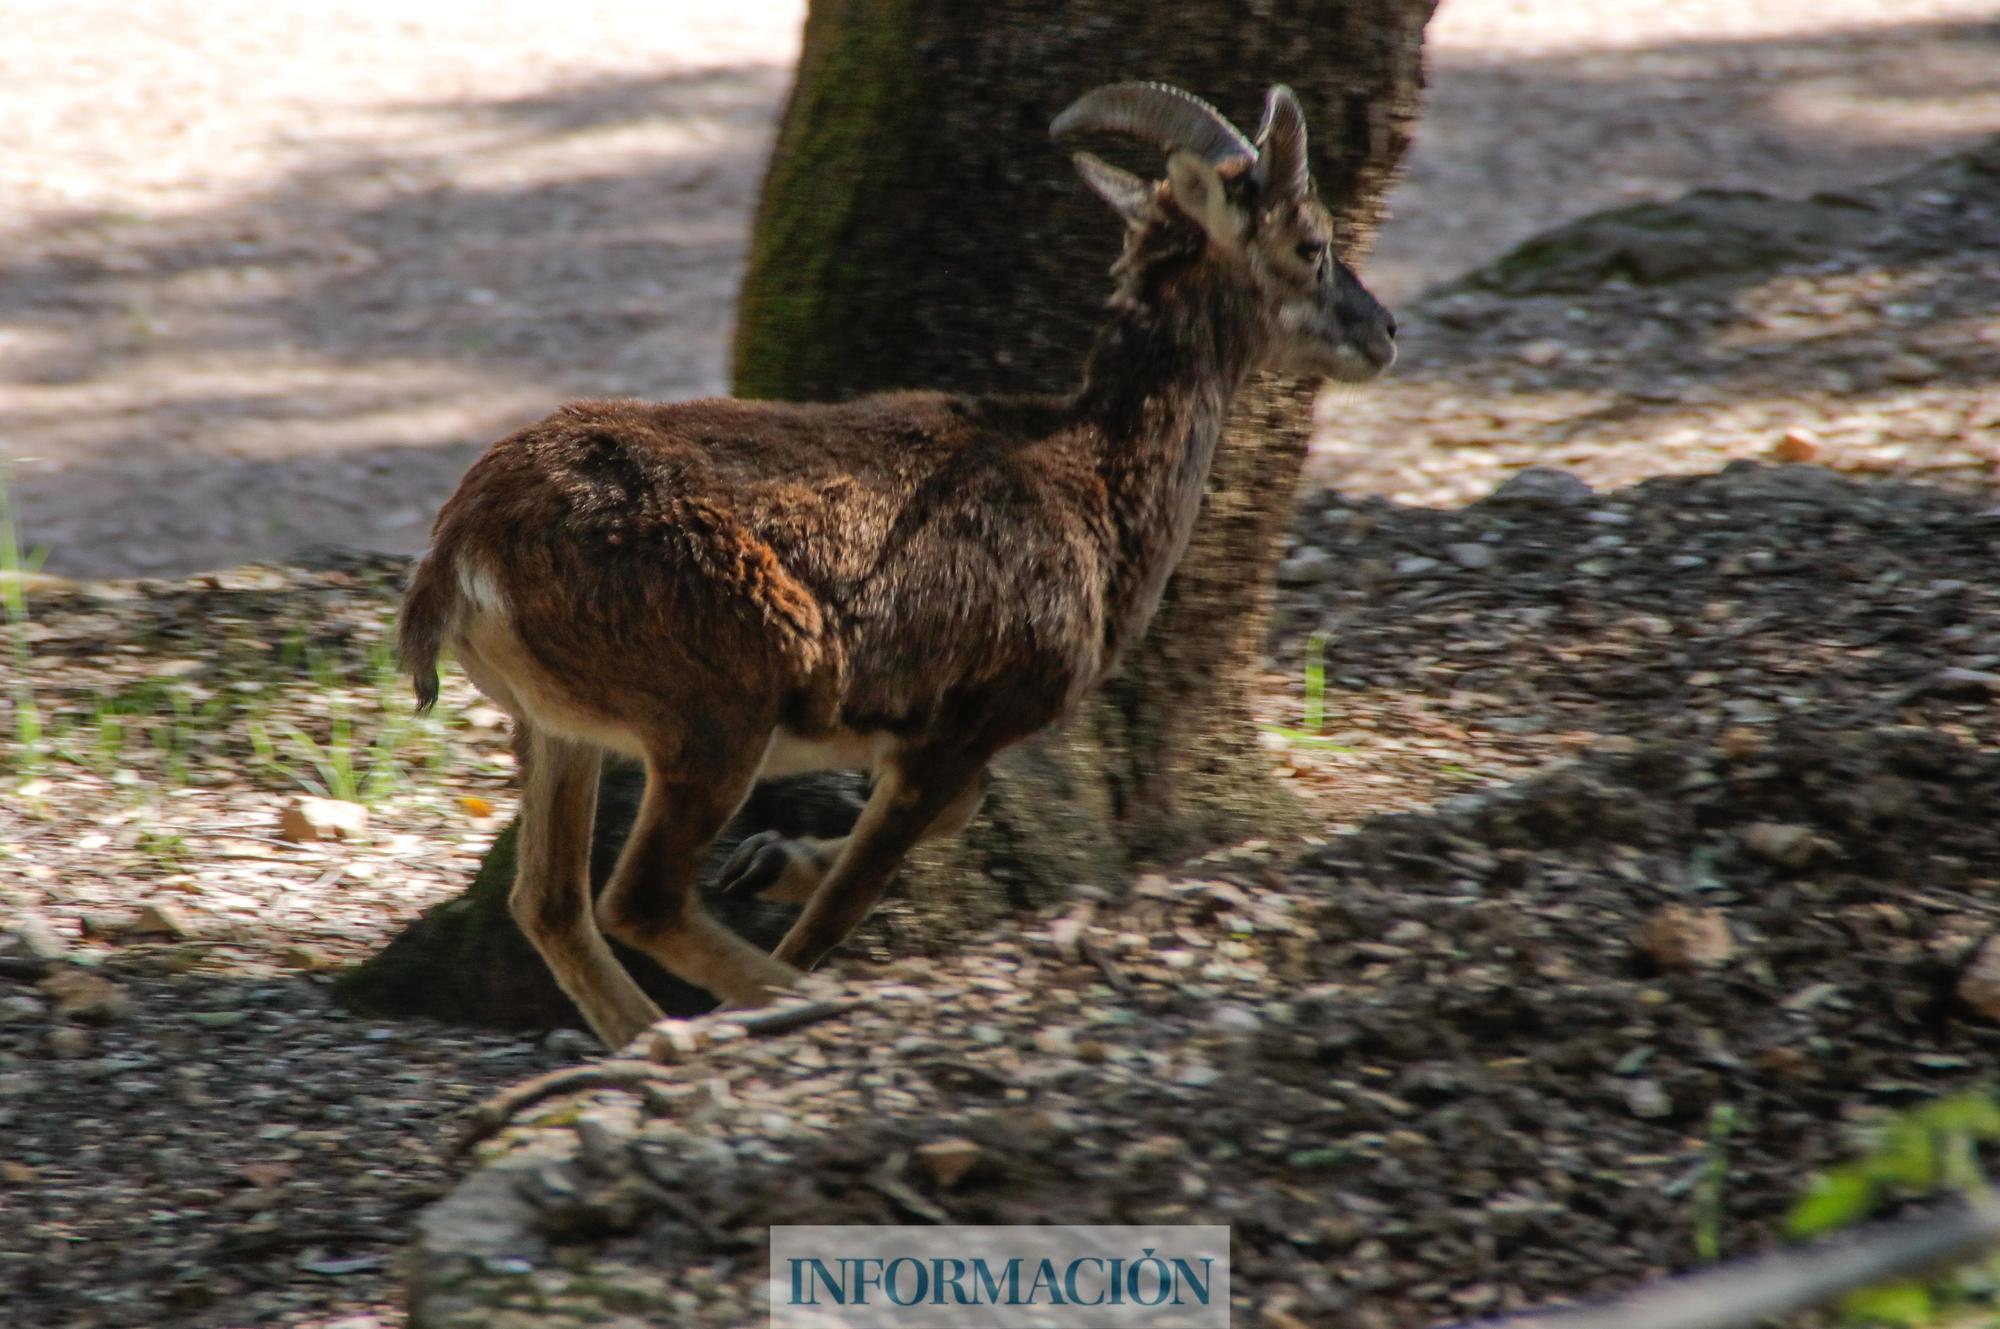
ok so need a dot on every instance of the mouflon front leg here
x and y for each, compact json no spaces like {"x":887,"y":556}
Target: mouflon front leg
{"x":913,"y":799}
{"x":789,"y":868}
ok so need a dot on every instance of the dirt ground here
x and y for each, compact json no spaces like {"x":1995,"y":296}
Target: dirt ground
{"x":273,"y":276}
{"x":1557,"y":703}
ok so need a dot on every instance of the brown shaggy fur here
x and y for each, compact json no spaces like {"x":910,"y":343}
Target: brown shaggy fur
{"x":907,"y":583}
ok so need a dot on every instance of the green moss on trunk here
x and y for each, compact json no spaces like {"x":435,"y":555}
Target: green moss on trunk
{"x":839,"y":152}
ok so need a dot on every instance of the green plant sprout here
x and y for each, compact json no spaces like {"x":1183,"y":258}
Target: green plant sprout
{"x":1709,"y":1189}
{"x":1924,"y":1151}
{"x":370,"y":746}
{"x":14,"y":573}
{"x":1313,"y":734}
{"x":342,"y":765}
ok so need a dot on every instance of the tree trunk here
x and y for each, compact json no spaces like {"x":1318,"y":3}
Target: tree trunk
{"x":918,"y":228}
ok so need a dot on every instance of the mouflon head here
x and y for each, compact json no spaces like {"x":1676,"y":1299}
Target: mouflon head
{"x":1255,"y":203}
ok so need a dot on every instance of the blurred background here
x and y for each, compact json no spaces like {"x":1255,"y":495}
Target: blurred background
{"x":272,"y":275}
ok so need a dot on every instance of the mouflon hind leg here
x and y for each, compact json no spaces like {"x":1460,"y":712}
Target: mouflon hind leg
{"x":551,"y":896}
{"x":651,"y":903}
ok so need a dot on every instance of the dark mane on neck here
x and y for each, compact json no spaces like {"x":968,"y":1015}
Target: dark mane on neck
{"x":1179,"y":322}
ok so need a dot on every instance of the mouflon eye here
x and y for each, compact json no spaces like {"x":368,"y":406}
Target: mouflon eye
{"x":1312,"y":251}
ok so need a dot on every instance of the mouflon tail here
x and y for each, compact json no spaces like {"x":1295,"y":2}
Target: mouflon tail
{"x":427,"y":607}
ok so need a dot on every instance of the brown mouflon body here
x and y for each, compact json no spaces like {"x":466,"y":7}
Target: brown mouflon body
{"x":904,"y":584}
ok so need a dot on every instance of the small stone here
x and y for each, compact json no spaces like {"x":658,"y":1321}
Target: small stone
{"x":671,"y":1041}
{"x":1541,"y":354}
{"x":1778,"y":842}
{"x":1960,"y":684}
{"x":84,"y":996}
{"x":1476,"y":1297}
{"x":103,"y":925}
{"x":1678,"y":937}
{"x":603,"y":1139}
{"x":298,"y":955}
{"x":1788,"y":1062}
{"x":1415,"y":565}
{"x":1236,"y":1018}
{"x":1796,"y":445}
{"x":1909,"y":367}
{"x":307,"y":820}
{"x":16,"y":1174}
{"x":162,"y":920}
{"x":570,"y":1043}
{"x":1979,"y":985}
{"x":1544,"y":486}
{"x":1308,"y":565}
{"x":1066,"y":935}
{"x":69,"y":1042}
{"x":1646,"y":1098}
{"x":482,"y":716}
{"x":1470,"y":555}
{"x":22,"y":1009}
{"x":1153,"y":1149}
{"x":1742,"y":743}
{"x":34,"y":937}
{"x":947,"y":1161}
{"x":1056,"y":1041}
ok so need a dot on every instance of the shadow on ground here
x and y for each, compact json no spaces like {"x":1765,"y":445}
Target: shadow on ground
{"x":315,"y":364}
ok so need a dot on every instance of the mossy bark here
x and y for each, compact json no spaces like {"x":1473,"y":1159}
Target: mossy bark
{"x":836,"y":166}
{"x":918,"y":228}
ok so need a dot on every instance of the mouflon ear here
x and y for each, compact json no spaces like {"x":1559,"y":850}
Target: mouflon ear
{"x":1127,"y":194}
{"x":1281,"y":146}
{"x":1199,"y":193}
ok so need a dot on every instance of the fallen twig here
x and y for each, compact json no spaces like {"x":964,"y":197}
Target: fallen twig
{"x":492,"y":1115}
{"x":784,"y":1019}
{"x":1113,"y":975}
{"x":635,"y":1073}
{"x":885,"y":1184}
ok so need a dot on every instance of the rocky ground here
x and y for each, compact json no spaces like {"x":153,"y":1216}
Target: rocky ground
{"x":1642,"y":799}
{"x":1708,"y":783}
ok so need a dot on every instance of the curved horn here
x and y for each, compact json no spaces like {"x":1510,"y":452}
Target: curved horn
{"x":1157,"y":114}
{"x":1282,"y":138}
